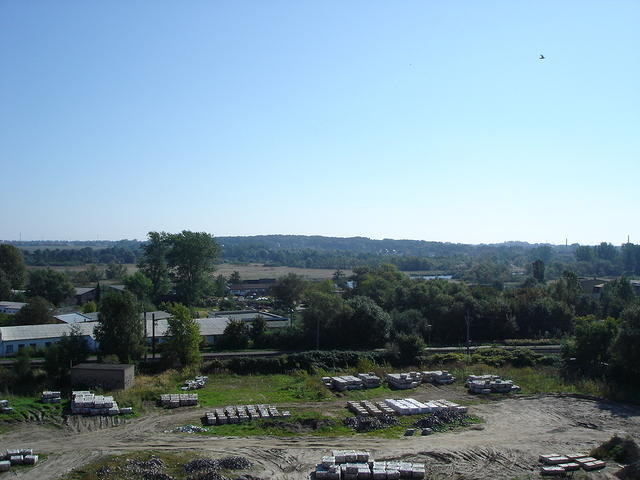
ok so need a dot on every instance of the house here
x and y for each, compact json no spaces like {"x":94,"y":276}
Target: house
{"x":593,"y":286}
{"x":87,"y":294}
{"x":75,"y":317}
{"x":102,"y":375}
{"x":11,"y":308}
{"x":248,"y":316}
{"x":252,"y":288}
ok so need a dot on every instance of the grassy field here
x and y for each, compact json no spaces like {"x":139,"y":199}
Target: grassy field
{"x":28,"y":409}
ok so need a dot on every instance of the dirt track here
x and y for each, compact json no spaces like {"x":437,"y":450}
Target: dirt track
{"x":515,"y":432}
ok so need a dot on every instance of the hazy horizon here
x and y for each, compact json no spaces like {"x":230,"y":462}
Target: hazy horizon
{"x":423,"y":120}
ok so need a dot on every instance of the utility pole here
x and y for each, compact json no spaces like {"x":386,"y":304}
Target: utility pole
{"x":467,"y":319}
{"x":153,"y":335}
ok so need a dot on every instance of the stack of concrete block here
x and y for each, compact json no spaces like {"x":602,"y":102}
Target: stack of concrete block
{"x":86,"y":403}
{"x":11,"y":457}
{"x":4,"y":407}
{"x":439,"y":377}
{"x":411,"y":406}
{"x":51,"y":397}
{"x":485,"y":384}
{"x":242,"y":413}
{"x":559,"y":465}
{"x":357,"y":408}
{"x":195,"y":384}
{"x":384,"y":408}
{"x":404,"y":381}
{"x":350,"y":382}
{"x":354,"y":465}
{"x":175,"y":400}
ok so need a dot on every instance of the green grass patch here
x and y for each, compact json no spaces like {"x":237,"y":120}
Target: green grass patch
{"x":30,"y":409}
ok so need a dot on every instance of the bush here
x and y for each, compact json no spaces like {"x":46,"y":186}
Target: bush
{"x":622,"y":450}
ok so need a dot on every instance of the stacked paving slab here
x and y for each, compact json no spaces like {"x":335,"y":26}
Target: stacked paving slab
{"x":195,"y":384}
{"x":365,"y":407}
{"x":411,"y":406}
{"x":11,"y":457}
{"x":351,"y":382}
{"x":357,"y":465}
{"x":51,"y":397}
{"x":560,"y":465}
{"x":175,"y":400}
{"x":83,"y":402}
{"x":407,"y":380}
{"x":4,"y":407}
{"x":484,"y":384}
{"x":242,"y":413}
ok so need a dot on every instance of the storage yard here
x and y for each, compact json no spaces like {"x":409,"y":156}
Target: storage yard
{"x":515,"y":432}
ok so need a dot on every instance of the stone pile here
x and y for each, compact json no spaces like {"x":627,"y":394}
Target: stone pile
{"x":175,"y":400}
{"x":84,"y":402}
{"x":485,"y":384}
{"x":410,"y":406}
{"x":356,"y":465}
{"x":242,"y":413}
{"x":439,"y":377}
{"x":195,"y":384}
{"x":559,"y":465}
{"x":51,"y":397}
{"x":351,"y":382}
{"x":4,"y":407}
{"x":404,"y":381}
{"x":11,"y":457}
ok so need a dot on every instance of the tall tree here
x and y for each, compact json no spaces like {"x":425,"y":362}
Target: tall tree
{"x":49,"y":284}
{"x":140,"y":285}
{"x":288,"y":290}
{"x":537,"y":268}
{"x":625,"y":351}
{"x":61,"y":356}
{"x":120,"y":329}
{"x":192,"y":258}
{"x":154,"y":264}
{"x":12,"y":263}
{"x":368,"y":326}
{"x":36,"y":312}
{"x":184,"y":340}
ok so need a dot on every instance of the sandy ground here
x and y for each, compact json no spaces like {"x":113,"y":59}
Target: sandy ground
{"x":506,"y":446}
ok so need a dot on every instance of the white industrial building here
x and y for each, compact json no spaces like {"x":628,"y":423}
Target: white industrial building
{"x":11,"y":307}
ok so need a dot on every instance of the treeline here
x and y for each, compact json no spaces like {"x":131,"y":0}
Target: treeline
{"x":81,"y":256}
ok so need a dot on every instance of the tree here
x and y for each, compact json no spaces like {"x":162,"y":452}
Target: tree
{"x":115,"y":270}
{"x":340,"y":279}
{"x":90,"y":307}
{"x":140,"y":285}
{"x":12,"y":264}
{"x":22,"y":365}
{"x":154,"y":264}
{"x":368,"y":326}
{"x":323,"y":315}
{"x":49,"y":284}
{"x":625,"y":351}
{"x":120,"y":329}
{"x":192,"y":258}
{"x":591,"y":343}
{"x":235,"y":278}
{"x":288,"y":290}
{"x":5,"y":286}
{"x":183,"y":345}
{"x":72,"y":349}
{"x":584,"y":253}
{"x":538,"y":270}
{"x":220,"y":286}
{"x":409,"y":348}
{"x":37,"y":311}
{"x":236,"y":335}
{"x":258,"y":331}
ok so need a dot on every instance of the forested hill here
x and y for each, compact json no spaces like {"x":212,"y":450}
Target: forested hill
{"x":494,"y":260}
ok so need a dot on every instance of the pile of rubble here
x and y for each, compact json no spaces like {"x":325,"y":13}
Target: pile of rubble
{"x":368,"y":423}
{"x":485,"y":384}
{"x":51,"y":397}
{"x":410,"y":406}
{"x":242,"y":413}
{"x":406,"y":380}
{"x":559,"y":465}
{"x":4,"y":407}
{"x":195,"y":384}
{"x":188,"y":429}
{"x":175,"y":400}
{"x":10,"y":457}
{"x":351,"y":382}
{"x":84,"y":402}
{"x":351,"y":464}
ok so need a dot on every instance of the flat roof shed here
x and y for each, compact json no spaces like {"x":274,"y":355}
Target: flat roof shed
{"x":104,"y":375}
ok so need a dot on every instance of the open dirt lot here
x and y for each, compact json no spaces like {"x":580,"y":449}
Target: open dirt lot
{"x":515,"y":432}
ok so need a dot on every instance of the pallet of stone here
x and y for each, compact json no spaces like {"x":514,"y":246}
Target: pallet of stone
{"x":370,"y":380}
{"x":439,"y":377}
{"x":51,"y":397}
{"x":552,"y":471}
{"x":195,"y":384}
{"x":570,"y":467}
{"x":5,"y":465}
{"x":404,"y":381}
{"x":356,"y":408}
{"x":484,"y":384}
{"x":384,"y":408}
{"x":175,"y":400}
{"x":371,"y":408}
{"x":595,"y":465}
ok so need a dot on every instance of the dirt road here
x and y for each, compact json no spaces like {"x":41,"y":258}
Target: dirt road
{"x":515,"y":432}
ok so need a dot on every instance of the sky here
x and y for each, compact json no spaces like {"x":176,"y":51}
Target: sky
{"x":417,"y":119}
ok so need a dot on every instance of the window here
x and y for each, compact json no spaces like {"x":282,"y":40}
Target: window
{"x":21,"y":346}
{"x":32,"y":345}
{"x":47,"y":344}
{"x":9,"y":348}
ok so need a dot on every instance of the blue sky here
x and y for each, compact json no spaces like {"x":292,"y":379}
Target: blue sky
{"x":415,"y":119}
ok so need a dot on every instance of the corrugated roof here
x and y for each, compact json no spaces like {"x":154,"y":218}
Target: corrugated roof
{"x":28,"y":332}
{"x":208,"y":326}
{"x":17,"y":305}
{"x":75,"y":317}
{"x":83,"y":290}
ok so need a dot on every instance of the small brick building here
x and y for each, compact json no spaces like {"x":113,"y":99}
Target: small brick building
{"x":103,"y":375}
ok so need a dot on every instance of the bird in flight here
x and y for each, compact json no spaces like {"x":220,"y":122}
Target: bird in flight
{"x":541,"y":57}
